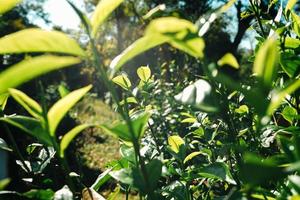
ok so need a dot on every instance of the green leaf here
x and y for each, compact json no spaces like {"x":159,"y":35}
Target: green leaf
{"x":191,"y":156}
{"x":153,"y":169}
{"x":139,"y":46}
{"x":29,"y":104}
{"x":39,"y":194}
{"x":122,"y":81}
{"x":102,"y":11}
{"x":257,"y":171}
{"x":296,"y":23}
{"x":69,"y":136}
{"x":217,"y":170}
{"x":30,"y":126}
{"x":291,"y":43}
{"x":225,"y":7}
{"x":189,"y":120}
{"x":290,"y":63}
{"x":290,"y":5}
{"x":277,"y":96}
{"x":31,"y":68}
{"x":265,"y":63}
{"x":289,"y":114}
{"x":169,"y":25}
{"x":144,"y":73}
{"x":60,"y":108}
{"x":243,"y":109}
{"x":3,"y":100}
{"x":7,"y":5}
{"x":129,"y":100}
{"x":199,"y":95}
{"x":229,"y":59}
{"x":102,"y":179}
{"x":179,"y":33}
{"x":63,"y":90}
{"x":38,"y":40}
{"x":4,"y":183}
{"x":121,"y":130}
{"x":175,"y":141}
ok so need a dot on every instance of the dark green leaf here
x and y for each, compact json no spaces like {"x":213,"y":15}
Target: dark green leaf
{"x":30,"y":126}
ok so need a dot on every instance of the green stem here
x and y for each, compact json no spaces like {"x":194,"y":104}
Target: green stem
{"x":55,"y":144}
{"x":257,"y":18}
{"x":124,"y":115}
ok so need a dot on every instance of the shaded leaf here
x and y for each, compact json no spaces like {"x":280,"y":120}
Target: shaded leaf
{"x":121,"y":130}
{"x":4,"y":183}
{"x":217,"y":170}
{"x":101,"y":179}
{"x":30,"y":126}
{"x":102,"y":11}
{"x":61,"y":107}
{"x":289,"y":114}
{"x":38,"y":40}
{"x":31,"y":68}
{"x":39,"y":194}
{"x":29,"y":104}
{"x":63,"y":90}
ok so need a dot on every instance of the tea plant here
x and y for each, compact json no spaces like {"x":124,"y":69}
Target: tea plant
{"x":212,"y":138}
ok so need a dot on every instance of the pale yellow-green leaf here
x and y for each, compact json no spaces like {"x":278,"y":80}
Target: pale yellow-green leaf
{"x":61,"y":107}
{"x":3,"y":100}
{"x":69,"y":136}
{"x":6,"y":5}
{"x":123,"y":81}
{"x":144,"y":73}
{"x":291,"y":43}
{"x":290,"y":5}
{"x":31,"y":68}
{"x":102,"y":11}
{"x":189,"y":120}
{"x":278,"y":96}
{"x":4,"y":183}
{"x":265,"y":63}
{"x":225,"y":7}
{"x":191,"y":156}
{"x":165,"y":25}
{"x":129,"y":100}
{"x":296,"y":23}
{"x":175,"y":141}
{"x":28,"y":103}
{"x":139,"y":46}
{"x":38,"y":40}
{"x":229,"y":59}
{"x":242,"y":109}
{"x":193,"y":46}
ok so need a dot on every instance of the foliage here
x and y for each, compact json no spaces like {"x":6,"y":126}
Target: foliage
{"x":213,"y":137}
